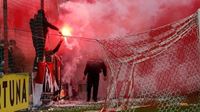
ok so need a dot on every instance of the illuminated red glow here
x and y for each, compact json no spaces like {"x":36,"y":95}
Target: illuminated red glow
{"x":66,"y":31}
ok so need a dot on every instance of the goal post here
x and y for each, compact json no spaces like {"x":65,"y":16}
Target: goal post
{"x":158,"y":67}
{"x":198,"y":17}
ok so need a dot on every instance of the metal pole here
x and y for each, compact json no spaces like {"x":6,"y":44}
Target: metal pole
{"x":42,"y":4}
{"x":5,"y":34}
{"x":198,"y":16}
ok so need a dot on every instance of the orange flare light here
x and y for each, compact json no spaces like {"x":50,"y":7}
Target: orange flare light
{"x":66,"y":31}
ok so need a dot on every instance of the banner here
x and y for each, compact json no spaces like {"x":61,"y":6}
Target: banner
{"x":14,"y":92}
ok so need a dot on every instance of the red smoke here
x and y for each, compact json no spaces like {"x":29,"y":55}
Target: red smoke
{"x":102,"y":18}
{"x":110,"y":17}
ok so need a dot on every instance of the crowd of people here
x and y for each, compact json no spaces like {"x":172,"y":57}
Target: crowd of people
{"x":47,"y":67}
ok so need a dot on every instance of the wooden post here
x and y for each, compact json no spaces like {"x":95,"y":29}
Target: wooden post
{"x":5,"y":34}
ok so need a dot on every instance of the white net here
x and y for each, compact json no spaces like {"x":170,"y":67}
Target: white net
{"x":158,"y":68}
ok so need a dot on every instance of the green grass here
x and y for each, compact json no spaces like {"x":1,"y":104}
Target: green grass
{"x":92,"y":109}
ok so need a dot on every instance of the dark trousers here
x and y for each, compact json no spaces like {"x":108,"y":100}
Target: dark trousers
{"x":39,"y":45}
{"x":92,"y":82}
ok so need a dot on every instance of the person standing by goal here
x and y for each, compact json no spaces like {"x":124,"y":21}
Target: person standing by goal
{"x":92,"y":70}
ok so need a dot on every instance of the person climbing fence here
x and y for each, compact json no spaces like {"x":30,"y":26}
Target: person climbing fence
{"x":39,"y":28}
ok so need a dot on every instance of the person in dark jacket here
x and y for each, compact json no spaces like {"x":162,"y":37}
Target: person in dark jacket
{"x":50,"y":53}
{"x":92,"y":70}
{"x":39,"y":28}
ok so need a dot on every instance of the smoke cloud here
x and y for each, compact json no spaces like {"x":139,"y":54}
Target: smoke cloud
{"x":112,"y":18}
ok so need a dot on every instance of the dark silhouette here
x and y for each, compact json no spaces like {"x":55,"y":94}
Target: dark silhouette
{"x":11,"y":52}
{"x":92,"y":70}
{"x":49,"y":58}
{"x":18,"y":57}
{"x":39,"y":28}
{"x":49,"y":53}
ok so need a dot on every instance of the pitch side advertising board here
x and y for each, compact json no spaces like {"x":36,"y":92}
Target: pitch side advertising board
{"x":14,"y":92}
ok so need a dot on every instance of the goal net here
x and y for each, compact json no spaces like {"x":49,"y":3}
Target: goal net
{"x":159,"y":68}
